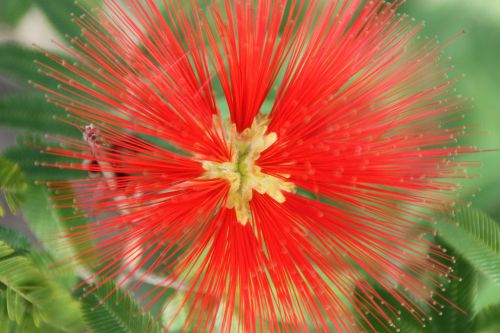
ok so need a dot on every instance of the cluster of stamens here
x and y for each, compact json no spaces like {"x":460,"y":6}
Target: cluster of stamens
{"x":242,"y":173}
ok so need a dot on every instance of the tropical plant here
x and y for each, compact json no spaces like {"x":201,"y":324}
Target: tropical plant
{"x":131,"y":266}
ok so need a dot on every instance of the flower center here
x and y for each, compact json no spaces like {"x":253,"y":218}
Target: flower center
{"x":241,"y":171}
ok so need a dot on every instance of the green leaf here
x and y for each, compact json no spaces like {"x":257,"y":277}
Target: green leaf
{"x":374,"y":321}
{"x":34,"y":113}
{"x":488,"y":320}
{"x":487,"y":199}
{"x":15,"y":305}
{"x":172,"y":317}
{"x":108,"y":309}
{"x":60,"y":13}
{"x":12,"y":11}
{"x":457,"y":295}
{"x":47,"y":221}
{"x":13,"y":242}
{"x":476,"y":237}
{"x":18,"y":62}
{"x":25,"y":289}
{"x":461,"y":292}
{"x":12,"y":183}
{"x":30,"y":159}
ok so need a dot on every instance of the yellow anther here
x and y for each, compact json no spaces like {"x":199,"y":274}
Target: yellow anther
{"x":241,"y":171}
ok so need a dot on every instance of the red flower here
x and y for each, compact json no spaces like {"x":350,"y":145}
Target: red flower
{"x":340,"y":141}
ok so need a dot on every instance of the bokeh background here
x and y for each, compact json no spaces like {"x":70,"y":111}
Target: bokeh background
{"x":473,"y":25}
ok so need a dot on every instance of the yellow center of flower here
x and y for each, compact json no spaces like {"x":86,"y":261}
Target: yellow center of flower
{"x":243,"y":174}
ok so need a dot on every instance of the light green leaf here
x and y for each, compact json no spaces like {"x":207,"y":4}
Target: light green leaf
{"x":488,"y":320}
{"x":5,"y":250}
{"x":12,"y":183}
{"x":24,"y":288}
{"x":27,"y":287}
{"x":47,"y":221}
{"x":12,"y":11}
{"x":173,"y":315}
{"x":16,"y":306}
{"x":108,"y":309}
{"x":476,"y":237}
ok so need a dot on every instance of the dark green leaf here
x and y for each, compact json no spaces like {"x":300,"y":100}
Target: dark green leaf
{"x":108,"y":309}
{"x":12,"y":11}
{"x":488,"y":320}
{"x":34,"y":113}
{"x":476,"y":237}
{"x":456,"y":294}
{"x":30,"y":160}
{"x":13,"y":242}
{"x":60,"y":13}
{"x":460,"y":294}
{"x":12,"y":183}
{"x":18,"y":62}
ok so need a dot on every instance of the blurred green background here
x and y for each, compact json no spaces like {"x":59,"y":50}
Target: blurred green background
{"x":476,"y":54}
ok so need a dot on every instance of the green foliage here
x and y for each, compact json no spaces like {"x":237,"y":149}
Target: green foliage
{"x":14,"y":242}
{"x":487,"y":199}
{"x":30,"y":158}
{"x":461,"y":293}
{"x":29,"y":300}
{"x":488,"y":320}
{"x":58,"y":13}
{"x":109,"y":309}
{"x":23,"y":280}
{"x":12,"y":11}
{"x":476,"y":54}
{"x":18,"y":63}
{"x":457,"y":295}
{"x":477,"y":238}
{"x":45,"y":223}
{"x":12,"y":184}
{"x":48,"y":221}
{"x":34,"y":113}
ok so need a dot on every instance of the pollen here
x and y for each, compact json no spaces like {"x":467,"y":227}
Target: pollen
{"x":242,"y":172}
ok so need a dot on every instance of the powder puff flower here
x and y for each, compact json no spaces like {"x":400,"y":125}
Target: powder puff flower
{"x":293,"y":209}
